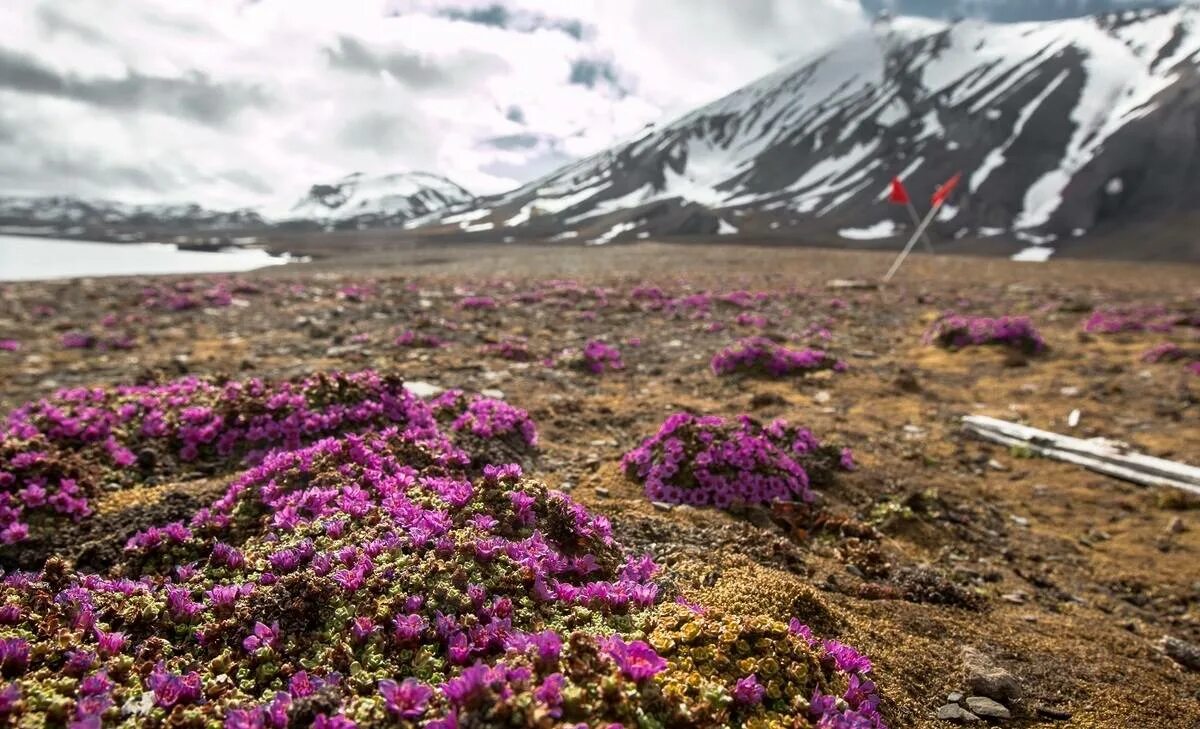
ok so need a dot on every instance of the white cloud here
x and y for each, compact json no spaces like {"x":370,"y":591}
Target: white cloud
{"x":243,"y":102}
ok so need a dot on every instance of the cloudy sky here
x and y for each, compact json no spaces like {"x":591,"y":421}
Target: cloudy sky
{"x":235,"y":103}
{"x":243,"y":102}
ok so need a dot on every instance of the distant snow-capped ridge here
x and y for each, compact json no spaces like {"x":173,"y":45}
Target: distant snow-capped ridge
{"x":358,"y":200}
{"x":72,"y":212}
{"x":355,"y":201}
{"x":1059,"y":127}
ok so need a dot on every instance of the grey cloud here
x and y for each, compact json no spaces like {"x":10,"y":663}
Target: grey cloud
{"x":192,"y":96}
{"x":354,"y":56}
{"x":377,"y":131}
{"x":494,"y":15}
{"x":589,"y":73}
{"x":524,"y":140}
{"x":515,"y":114}
{"x":499,"y":16}
{"x":52,"y":172}
{"x":55,"y":22}
{"x":248,"y":181}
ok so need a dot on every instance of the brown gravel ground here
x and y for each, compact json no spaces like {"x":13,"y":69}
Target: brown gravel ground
{"x":937,"y":542}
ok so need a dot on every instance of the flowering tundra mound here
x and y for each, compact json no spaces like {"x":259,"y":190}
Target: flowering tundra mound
{"x":764,"y":357}
{"x":1115,"y":320}
{"x":955,"y":331}
{"x":367,"y":581}
{"x":58,"y":452}
{"x":491,"y":430}
{"x":707,"y":460}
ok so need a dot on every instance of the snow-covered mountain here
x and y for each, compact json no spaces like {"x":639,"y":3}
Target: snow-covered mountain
{"x":69,"y":213}
{"x":360,"y":201}
{"x":1060,"y":127}
{"x":354,"y":202}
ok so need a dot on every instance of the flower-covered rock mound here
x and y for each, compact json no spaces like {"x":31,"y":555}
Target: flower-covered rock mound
{"x":366,"y":580}
{"x":763,"y":357}
{"x":956,"y":331}
{"x":708,"y":460}
{"x":491,"y":430}
{"x":59,"y":452}
{"x":1115,"y":320}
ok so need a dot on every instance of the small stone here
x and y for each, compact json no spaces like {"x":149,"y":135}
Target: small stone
{"x":602,"y":492}
{"x":1069,"y":391}
{"x":1049,"y":712}
{"x":662,"y":505}
{"x":492,"y":393}
{"x":954,"y":697}
{"x":423,"y":390}
{"x":1184,"y":653}
{"x":954,"y":712}
{"x":566,"y":486}
{"x":996,"y":465}
{"x":1176,"y":526}
{"x":987,"y":708}
{"x":1016,"y":598}
{"x":822,"y":396}
{"x":985,"y":678}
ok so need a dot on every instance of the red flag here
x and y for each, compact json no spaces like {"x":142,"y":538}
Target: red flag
{"x":899,"y":194}
{"x":944,"y":191}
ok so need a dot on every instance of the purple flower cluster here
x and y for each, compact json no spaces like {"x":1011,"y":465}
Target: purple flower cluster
{"x":56,"y":452}
{"x":599,"y":357}
{"x":762,"y":356}
{"x":1170,"y":352}
{"x":1141,"y":319}
{"x":409,"y":338}
{"x":186,"y":295}
{"x":858,"y":706}
{"x":712,"y":461}
{"x":512,"y":350}
{"x":955,"y":331}
{"x":477,"y":303}
{"x":471,"y":418}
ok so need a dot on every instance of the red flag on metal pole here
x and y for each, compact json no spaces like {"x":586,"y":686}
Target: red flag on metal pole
{"x":944,"y":191}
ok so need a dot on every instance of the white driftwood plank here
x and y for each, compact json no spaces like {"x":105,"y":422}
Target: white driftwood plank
{"x":1131,"y":472}
{"x":1097,"y":449}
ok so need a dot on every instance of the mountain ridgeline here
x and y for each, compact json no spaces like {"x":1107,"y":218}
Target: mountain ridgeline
{"x":1060,"y":128}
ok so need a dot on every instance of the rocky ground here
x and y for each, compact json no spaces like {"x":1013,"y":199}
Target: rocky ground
{"x":978,"y":579}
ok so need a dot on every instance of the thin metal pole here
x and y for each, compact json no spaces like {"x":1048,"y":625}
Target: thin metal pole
{"x":912,"y":210}
{"x":911,"y":242}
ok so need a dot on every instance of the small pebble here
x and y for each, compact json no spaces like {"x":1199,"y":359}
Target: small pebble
{"x":602,"y":492}
{"x":662,"y":505}
{"x":987,"y":708}
{"x":954,"y":697}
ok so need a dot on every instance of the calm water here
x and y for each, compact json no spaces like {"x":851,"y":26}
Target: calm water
{"x":25,"y":259}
